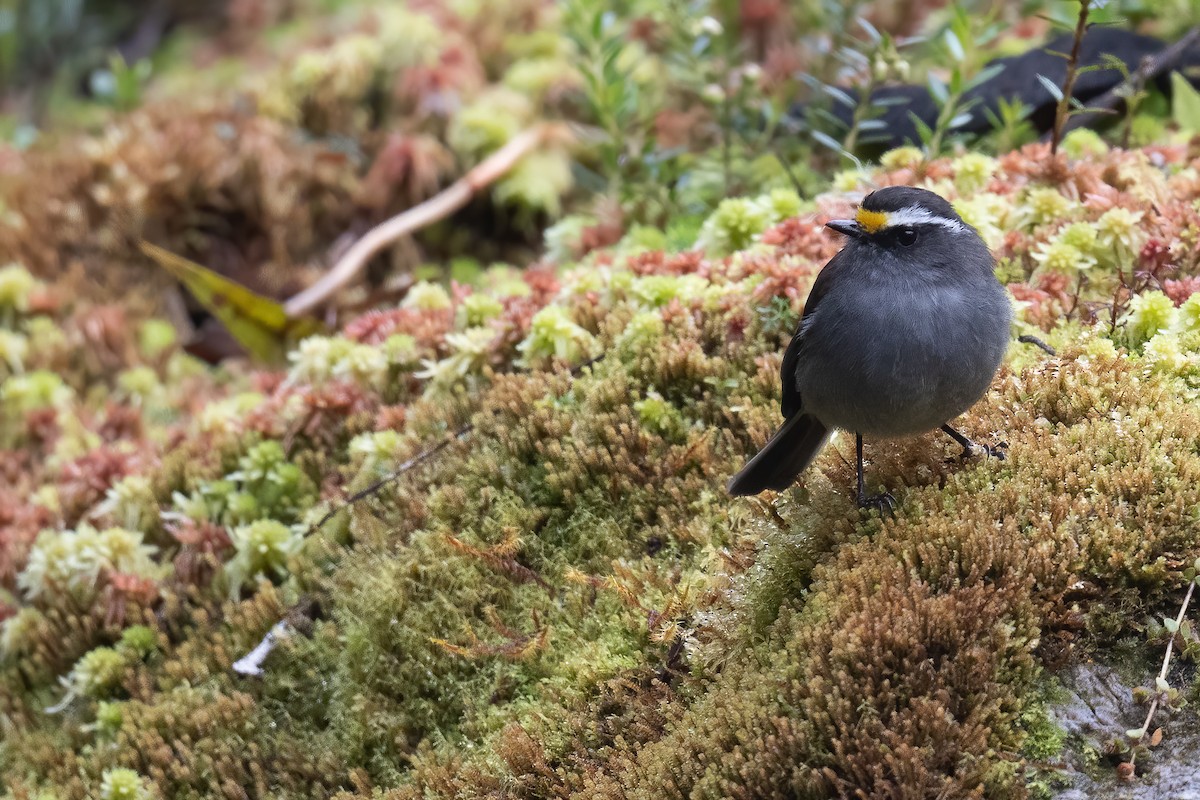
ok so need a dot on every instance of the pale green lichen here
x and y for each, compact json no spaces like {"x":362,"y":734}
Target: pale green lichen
{"x":538,"y":183}
{"x":489,"y":122}
{"x":14,"y":350}
{"x":109,"y":718}
{"x":319,"y":359}
{"x":32,"y":391}
{"x":988,"y":213}
{"x":427,"y":296}
{"x":564,"y":239}
{"x":131,"y":503}
{"x":262,"y":548}
{"x":1149,"y":314}
{"x":97,"y":674}
{"x":1083,"y":142}
{"x":1119,"y":233}
{"x":155,"y":337}
{"x":265,"y":484}
{"x":659,"y":290}
{"x":17,"y":631}
{"x":469,"y":352}
{"x":73,"y":560}
{"x":478,"y":309}
{"x":554,"y":335}
{"x":139,"y":384}
{"x":139,"y":640}
{"x":123,"y":784}
{"x":16,"y":285}
{"x":1187,"y":320}
{"x":1043,"y":205}
{"x":902,"y":158}
{"x":376,"y":452}
{"x":1061,"y":257}
{"x":734,"y":225}
{"x":972,"y":171}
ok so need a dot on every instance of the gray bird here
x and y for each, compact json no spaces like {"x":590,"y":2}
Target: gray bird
{"x":903,"y":331}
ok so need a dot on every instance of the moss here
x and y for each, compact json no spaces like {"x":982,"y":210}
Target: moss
{"x":557,"y":597}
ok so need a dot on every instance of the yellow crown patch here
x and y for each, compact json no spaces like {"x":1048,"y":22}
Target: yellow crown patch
{"x":871,"y":220}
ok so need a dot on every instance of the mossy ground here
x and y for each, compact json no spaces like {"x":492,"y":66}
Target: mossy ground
{"x":563,"y":601}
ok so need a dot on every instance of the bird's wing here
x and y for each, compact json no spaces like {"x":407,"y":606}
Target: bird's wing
{"x":791,"y":357}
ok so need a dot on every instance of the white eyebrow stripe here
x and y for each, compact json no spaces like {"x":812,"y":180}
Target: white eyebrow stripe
{"x":915,"y":215}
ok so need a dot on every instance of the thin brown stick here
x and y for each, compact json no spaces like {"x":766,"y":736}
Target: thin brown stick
{"x":1162,"y":674}
{"x":391,"y":477}
{"x":1064,"y":105}
{"x":416,"y":461}
{"x":457,"y":195}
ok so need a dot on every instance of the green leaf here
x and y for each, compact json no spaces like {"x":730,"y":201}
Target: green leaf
{"x":258,"y":323}
{"x":938,"y":89}
{"x":923,"y":129}
{"x":839,"y":95}
{"x":1171,"y":625}
{"x":1053,"y":88}
{"x":1185,"y":104}
{"x":1162,"y":685}
{"x":828,"y":141}
{"x":985,"y":75}
{"x":1135,"y":733}
{"x":954,"y":46}
{"x":870,"y":29}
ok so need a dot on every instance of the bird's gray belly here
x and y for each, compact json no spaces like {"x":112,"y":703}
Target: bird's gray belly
{"x":902,"y":363}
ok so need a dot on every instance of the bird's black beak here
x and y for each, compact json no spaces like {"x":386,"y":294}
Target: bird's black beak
{"x":846,"y":226}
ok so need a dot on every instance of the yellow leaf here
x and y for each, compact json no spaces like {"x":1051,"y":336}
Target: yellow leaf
{"x":259,"y":324}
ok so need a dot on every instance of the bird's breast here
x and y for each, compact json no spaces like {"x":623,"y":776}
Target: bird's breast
{"x":904,"y":359}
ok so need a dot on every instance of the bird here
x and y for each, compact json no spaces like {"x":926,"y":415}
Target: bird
{"x":903,"y":331}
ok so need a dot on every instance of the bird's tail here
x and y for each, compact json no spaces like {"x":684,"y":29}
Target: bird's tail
{"x":786,"y":455}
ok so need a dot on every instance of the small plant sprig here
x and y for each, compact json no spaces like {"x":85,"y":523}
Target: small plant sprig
{"x":1132,"y":92}
{"x":1068,"y":107}
{"x":121,"y":84}
{"x":963,"y":40}
{"x":610,"y":87}
{"x":1065,"y":95}
{"x":1011,"y":128}
{"x":1164,"y":694}
{"x":875,"y":60}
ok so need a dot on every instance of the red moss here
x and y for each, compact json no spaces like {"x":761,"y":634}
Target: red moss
{"x":1182,"y":289}
{"x":123,"y":593}
{"x":1155,"y":259}
{"x":20,"y":523}
{"x":805,"y":237}
{"x":204,"y":547}
{"x":120,"y":424}
{"x":428,"y":326}
{"x":659,"y":263}
{"x":406,"y":170}
{"x":84,"y":481}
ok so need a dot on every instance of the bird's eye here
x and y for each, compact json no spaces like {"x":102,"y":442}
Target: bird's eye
{"x":907,"y":237}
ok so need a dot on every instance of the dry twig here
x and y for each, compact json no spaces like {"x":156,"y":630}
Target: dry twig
{"x":457,"y":195}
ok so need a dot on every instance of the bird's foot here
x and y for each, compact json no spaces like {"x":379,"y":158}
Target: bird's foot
{"x":996,"y":451}
{"x":883,"y":502}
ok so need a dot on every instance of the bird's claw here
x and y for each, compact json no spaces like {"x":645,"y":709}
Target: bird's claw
{"x":995,"y":451}
{"x":883,"y":502}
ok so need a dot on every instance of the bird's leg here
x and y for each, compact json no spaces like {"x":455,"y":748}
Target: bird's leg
{"x":969,"y":447}
{"x":881,"y":502}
